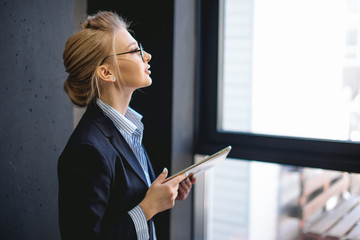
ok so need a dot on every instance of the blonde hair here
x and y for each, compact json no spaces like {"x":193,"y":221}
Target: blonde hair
{"x":84,"y":52}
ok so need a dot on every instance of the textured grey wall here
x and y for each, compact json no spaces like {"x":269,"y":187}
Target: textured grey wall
{"x":36,"y":116}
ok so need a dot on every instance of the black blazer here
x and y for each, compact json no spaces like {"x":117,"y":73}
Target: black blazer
{"x":100,"y":180}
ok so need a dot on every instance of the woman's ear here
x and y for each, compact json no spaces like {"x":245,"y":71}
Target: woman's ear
{"x":105,"y":73}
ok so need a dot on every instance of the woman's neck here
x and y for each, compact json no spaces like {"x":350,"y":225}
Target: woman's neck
{"x":117,"y":100}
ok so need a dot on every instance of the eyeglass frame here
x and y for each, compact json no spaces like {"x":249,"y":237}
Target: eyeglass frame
{"x":141,"y":50}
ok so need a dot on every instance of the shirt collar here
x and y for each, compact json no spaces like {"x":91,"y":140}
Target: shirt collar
{"x":128,"y":124}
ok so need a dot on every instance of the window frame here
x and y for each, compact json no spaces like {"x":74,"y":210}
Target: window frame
{"x":305,"y":152}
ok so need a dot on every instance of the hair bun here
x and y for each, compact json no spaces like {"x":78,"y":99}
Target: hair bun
{"x":87,"y":22}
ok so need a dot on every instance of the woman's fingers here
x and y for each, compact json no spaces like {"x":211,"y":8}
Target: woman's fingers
{"x":175,"y":181}
{"x":192,"y":179}
{"x":184,"y":189}
{"x":186,"y":184}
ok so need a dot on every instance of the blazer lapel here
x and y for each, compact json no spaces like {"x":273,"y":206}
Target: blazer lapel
{"x":109,"y":130}
{"x":124,"y":149}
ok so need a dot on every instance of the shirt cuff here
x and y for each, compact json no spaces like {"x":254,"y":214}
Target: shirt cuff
{"x":138,"y":217}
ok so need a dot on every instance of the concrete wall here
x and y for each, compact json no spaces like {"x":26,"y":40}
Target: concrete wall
{"x":36,"y":115}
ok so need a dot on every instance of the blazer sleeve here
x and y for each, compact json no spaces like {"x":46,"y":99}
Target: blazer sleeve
{"x":84,"y":189}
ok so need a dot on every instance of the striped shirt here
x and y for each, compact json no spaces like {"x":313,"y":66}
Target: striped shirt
{"x":131,"y":128}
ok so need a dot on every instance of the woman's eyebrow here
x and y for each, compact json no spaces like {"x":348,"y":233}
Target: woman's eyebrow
{"x":131,"y":44}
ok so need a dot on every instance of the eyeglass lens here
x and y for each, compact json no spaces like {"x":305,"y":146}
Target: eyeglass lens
{"x":141,"y":52}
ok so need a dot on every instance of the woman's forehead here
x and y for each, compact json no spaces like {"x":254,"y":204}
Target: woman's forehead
{"x":124,"y":40}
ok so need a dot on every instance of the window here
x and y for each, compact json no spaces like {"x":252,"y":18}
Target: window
{"x":280,"y":82}
{"x":291,"y":70}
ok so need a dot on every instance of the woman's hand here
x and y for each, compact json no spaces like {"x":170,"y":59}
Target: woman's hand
{"x":185,"y":187}
{"x":161,"y":196}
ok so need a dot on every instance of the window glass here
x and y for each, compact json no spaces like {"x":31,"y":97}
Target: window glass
{"x":252,"y":200}
{"x":290,"y":68}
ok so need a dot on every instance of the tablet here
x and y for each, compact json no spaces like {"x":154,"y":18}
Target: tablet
{"x":205,"y":164}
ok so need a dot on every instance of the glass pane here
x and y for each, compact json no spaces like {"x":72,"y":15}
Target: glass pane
{"x":290,"y":68}
{"x":251,"y":200}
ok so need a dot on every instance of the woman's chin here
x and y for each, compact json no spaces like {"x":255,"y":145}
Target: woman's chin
{"x":149,"y":82}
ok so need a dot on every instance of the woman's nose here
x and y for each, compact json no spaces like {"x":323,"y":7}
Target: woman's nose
{"x":147,"y":56}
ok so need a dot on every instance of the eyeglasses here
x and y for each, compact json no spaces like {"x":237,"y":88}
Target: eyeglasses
{"x":141,"y":50}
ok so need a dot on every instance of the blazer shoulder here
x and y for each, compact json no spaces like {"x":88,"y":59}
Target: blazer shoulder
{"x":87,"y":148}
{"x":93,"y":127}
{"x":90,"y":132}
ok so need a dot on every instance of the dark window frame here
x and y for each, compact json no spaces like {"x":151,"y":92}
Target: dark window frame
{"x":305,"y":152}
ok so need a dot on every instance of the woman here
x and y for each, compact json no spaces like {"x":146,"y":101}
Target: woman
{"x":107,"y":187}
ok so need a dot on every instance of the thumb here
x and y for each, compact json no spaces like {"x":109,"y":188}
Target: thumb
{"x":162,"y":176}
